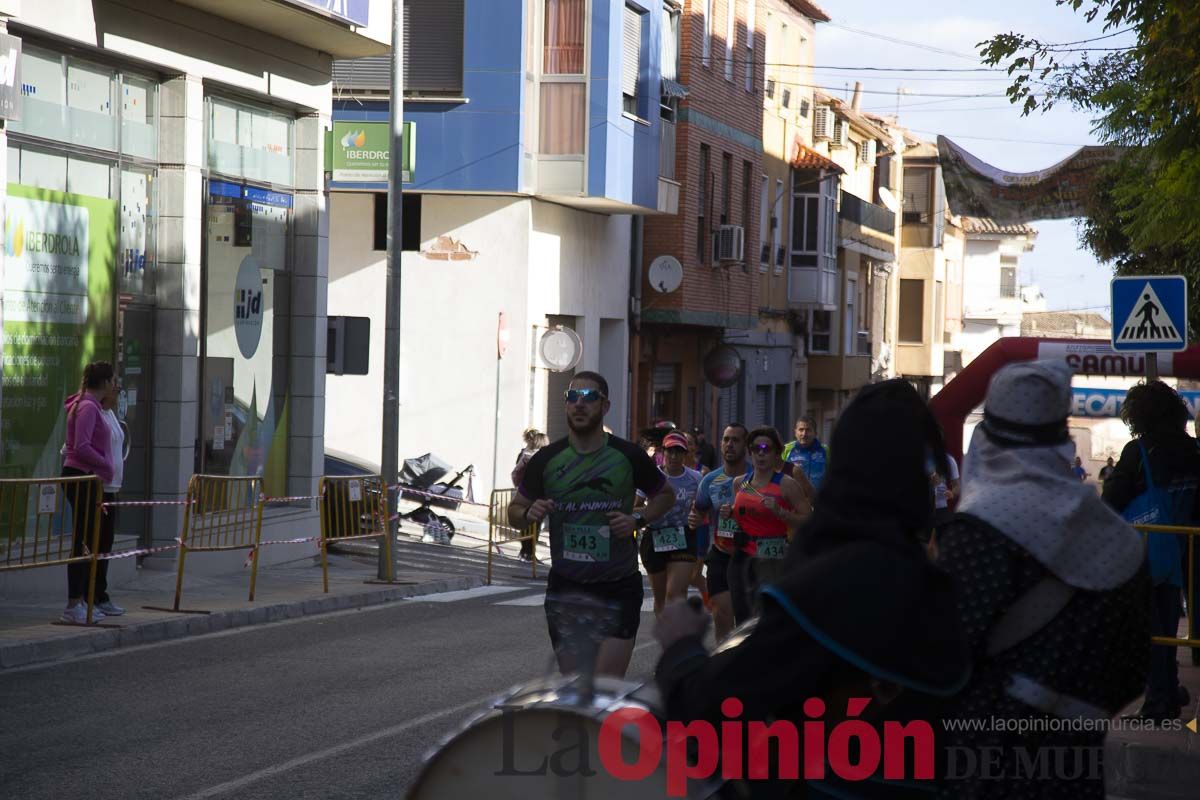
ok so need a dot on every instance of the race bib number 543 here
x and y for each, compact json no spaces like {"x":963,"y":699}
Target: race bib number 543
{"x":586,"y":543}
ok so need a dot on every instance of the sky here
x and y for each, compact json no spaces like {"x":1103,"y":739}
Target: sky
{"x":988,"y":126}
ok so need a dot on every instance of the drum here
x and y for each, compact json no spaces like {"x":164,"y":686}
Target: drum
{"x":543,"y":741}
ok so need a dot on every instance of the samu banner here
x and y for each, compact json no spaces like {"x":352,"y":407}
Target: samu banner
{"x":975,"y":188}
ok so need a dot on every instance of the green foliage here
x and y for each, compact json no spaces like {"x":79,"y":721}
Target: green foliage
{"x":1145,"y":215}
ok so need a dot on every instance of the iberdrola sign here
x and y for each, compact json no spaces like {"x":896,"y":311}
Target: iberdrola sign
{"x":360,"y":151}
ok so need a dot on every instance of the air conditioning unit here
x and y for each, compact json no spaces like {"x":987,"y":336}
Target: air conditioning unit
{"x":729,"y":243}
{"x":822,"y":123}
{"x":841,"y":133}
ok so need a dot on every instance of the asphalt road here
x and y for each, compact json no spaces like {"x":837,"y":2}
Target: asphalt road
{"x":343,"y":705}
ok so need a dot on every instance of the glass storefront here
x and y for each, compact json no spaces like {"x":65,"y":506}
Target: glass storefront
{"x":244,"y":414}
{"x":79,"y":231}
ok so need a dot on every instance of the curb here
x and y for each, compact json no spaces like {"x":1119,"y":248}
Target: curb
{"x":105,"y":639}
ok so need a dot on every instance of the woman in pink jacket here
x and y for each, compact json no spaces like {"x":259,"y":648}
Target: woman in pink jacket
{"x":87,"y":453}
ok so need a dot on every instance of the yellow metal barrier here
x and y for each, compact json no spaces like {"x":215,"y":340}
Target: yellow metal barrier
{"x":223,"y":513}
{"x":48,"y":522}
{"x":500,"y":531}
{"x":353,"y":508}
{"x":1189,"y":567}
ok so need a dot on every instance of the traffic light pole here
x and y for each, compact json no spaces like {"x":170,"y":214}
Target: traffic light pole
{"x":390,"y":460}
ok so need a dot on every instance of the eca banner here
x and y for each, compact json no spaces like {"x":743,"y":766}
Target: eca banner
{"x":1098,"y":403}
{"x":60,"y":251}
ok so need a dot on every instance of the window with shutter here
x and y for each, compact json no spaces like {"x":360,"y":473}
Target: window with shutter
{"x":916,"y":196}
{"x":631,"y":49}
{"x":433,"y":47}
{"x":821,"y":123}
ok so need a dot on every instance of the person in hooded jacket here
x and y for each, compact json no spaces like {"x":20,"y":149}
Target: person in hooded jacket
{"x":1052,"y":595}
{"x":859,"y":611}
{"x":1157,"y":417}
{"x":87,"y":452}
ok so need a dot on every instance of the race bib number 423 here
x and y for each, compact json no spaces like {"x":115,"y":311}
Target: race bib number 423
{"x":668,"y":540}
{"x":586,"y":543}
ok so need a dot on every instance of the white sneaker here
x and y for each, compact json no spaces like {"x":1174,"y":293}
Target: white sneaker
{"x":108,"y":608}
{"x":77,"y":615}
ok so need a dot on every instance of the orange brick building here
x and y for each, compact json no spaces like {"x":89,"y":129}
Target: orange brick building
{"x":711,"y":297}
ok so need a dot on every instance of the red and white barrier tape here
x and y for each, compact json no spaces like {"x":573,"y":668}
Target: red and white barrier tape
{"x":141,"y":551}
{"x":253,"y":550}
{"x":129,"y":503}
{"x":267,"y":499}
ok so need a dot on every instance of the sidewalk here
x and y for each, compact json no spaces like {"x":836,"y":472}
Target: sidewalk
{"x":29,"y":635}
{"x":1158,"y":765}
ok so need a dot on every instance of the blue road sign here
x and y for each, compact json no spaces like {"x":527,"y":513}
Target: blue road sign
{"x":1149,"y":313}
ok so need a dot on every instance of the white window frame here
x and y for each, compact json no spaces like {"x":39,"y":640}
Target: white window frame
{"x":828,"y":332}
{"x":730,"y":37}
{"x":764,"y":230}
{"x":637,"y":77}
{"x":751,"y":13}
{"x":706,"y":53}
{"x":778,"y":232}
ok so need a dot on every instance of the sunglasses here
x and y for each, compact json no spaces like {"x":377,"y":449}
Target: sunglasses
{"x":586,"y":395}
{"x":762,"y":448}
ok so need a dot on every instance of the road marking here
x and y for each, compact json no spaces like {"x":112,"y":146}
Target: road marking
{"x":465,"y":594}
{"x":337,"y":750}
{"x":531,"y":600}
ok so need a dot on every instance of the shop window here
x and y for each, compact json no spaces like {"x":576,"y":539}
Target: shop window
{"x":244,"y":397}
{"x":58,"y":301}
{"x":139,"y":136}
{"x":251,"y":143}
{"x":67,"y":100}
{"x":136,"y":259}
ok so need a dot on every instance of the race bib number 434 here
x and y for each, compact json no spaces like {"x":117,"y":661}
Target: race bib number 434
{"x":586,"y":543}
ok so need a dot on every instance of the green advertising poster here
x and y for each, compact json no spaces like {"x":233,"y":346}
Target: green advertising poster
{"x":358,"y":152}
{"x":59,"y":250}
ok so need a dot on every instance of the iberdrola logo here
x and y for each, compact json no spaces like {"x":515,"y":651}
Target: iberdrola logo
{"x":14,"y":237}
{"x":354,"y":139}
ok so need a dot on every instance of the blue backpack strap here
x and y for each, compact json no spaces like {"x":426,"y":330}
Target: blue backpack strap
{"x":1146,"y":466}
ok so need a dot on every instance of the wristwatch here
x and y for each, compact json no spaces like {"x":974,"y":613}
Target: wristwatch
{"x":639,"y":521}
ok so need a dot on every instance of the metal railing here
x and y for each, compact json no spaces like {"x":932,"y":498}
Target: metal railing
{"x":666,"y":149}
{"x":353,"y":507}
{"x":222,"y":513}
{"x":868,"y":215}
{"x":50,"y":522}
{"x":500,"y":531}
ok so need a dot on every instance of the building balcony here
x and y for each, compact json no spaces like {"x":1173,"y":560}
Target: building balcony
{"x":839,"y":373}
{"x":867,"y":228}
{"x":859,"y":212}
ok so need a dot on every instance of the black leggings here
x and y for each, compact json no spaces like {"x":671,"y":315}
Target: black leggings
{"x":80,"y":498}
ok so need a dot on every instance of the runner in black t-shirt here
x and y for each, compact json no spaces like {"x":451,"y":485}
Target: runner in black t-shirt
{"x":586,"y":484}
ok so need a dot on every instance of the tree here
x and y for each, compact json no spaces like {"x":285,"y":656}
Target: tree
{"x":1144,"y":216}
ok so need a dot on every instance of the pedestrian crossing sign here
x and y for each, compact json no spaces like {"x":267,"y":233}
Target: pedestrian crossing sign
{"x":1149,"y":314}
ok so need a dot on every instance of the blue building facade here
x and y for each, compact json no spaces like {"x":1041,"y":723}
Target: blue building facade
{"x":499,"y":132}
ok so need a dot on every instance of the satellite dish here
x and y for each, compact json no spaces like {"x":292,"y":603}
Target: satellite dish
{"x":560,"y":349}
{"x":665,"y":275}
{"x":889,"y":200}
